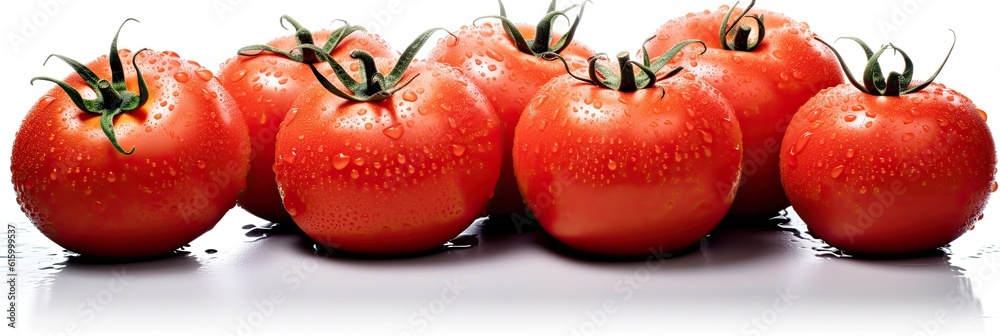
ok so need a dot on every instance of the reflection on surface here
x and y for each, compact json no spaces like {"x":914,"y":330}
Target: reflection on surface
{"x":768,"y":276}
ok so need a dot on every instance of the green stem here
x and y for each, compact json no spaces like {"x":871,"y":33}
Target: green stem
{"x":627,"y":83}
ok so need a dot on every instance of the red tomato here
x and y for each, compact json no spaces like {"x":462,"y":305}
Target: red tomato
{"x":509,"y":77}
{"x":888,"y":169}
{"x":188,"y":161}
{"x":765,"y":85}
{"x":265,"y":85}
{"x":389,"y":172}
{"x":610,"y":169}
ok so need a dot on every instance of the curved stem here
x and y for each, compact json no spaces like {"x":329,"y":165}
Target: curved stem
{"x":112,"y":97}
{"x":117,"y":71}
{"x":107,"y":125}
{"x":741,"y":41}
{"x":954,"y":38}
{"x":896,"y":84}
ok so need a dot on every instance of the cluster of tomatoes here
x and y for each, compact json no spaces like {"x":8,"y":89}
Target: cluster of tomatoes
{"x":368,"y":150}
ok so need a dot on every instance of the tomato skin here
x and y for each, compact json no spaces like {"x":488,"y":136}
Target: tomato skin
{"x":265,"y":86}
{"x":888,"y":174}
{"x":509,"y":78}
{"x":620,"y":173}
{"x":349,"y":184}
{"x":189,"y":164}
{"x":765,"y":86}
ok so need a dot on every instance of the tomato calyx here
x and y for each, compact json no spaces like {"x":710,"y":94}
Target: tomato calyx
{"x":896,"y":84}
{"x":627,"y":80}
{"x":374,"y":86}
{"x":113,"y":97}
{"x":542,"y":43}
{"x":302,"y":37}
{"x":741,"y":37}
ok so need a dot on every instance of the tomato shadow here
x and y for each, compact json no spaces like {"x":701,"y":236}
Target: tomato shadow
{"x":472,"y":244}
{"x":174,"y":261}
{"x":772,"y":221}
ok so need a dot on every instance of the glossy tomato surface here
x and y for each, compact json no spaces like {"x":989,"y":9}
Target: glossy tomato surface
{"x":765,"y":86}
{"x":873,"y":174}
{"x":509,"y":78}
{"x":264,"y":87}
{"x":401,"y":175}
{"x":189,"y":163}
{"x":623,"y":173}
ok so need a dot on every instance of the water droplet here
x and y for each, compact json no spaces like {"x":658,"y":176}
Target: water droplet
{"x":46,"y":101}
{"x":452,"y":123}
{"x":258,"y":87}
{"x":835,"y":173}
{"x":204,"y":74}
{"x":801,"y":143}
{"x":409,"y":96}
{"x":394,"y":132}
{"x":54,"y":175}
{"x":181,"y":77}
{"x":111,"y":177}
{"x":494,"y":55}
{"x":942,"y":122}
{"x":993,"y":187}
{"x":982,"y":114}
{"x":850,"y":153}
{"x":458,"y":150}
{"x":869,"y":113}
{"x":354,"y":174}
{"x":541,"y":125}
{"x":340,"y":161}
{"x":908,"y":137}
{"x":863,"y":190}
{"x":492,"y":67}
{"x":291,"y":211}
{"x":857,"y":108}
{"x":239,"y":75}
{"x":401,"y":158}
{"x":612,"y":165}
{"x":99,"y":206}
{"x":707,"y":137}
{"x":737,"y":59}
{"x":598,"y":104}
{"x":157,"y":116}
{"x":359,"y":161}
{"x":368,"y":126}
{"x":201,"y":164}
{"x":850,"y":118}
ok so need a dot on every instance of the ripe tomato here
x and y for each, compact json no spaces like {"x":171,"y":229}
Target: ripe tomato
{"x":266,"y":83}
{"x":186,"y":164}
{"x":888,"y":168}
{"x":382,"y":171}
{"x":502,"y":58}
{"x":765,"y":79}
{"x":622,"y":165}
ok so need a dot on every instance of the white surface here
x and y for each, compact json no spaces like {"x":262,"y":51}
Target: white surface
{"x":510,"y":283}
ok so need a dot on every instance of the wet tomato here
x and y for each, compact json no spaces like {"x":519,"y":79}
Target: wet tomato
{"x":766,"y":78}
{"x":399,"y":163}
{"x":884,"y":167}
{"x":186,"y":163}
{"x":503,"y":59}
{"x":265,"y":80}
{"x":625,"y":164}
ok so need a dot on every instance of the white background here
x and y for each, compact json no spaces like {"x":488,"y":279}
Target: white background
{"x":513,"y":284}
